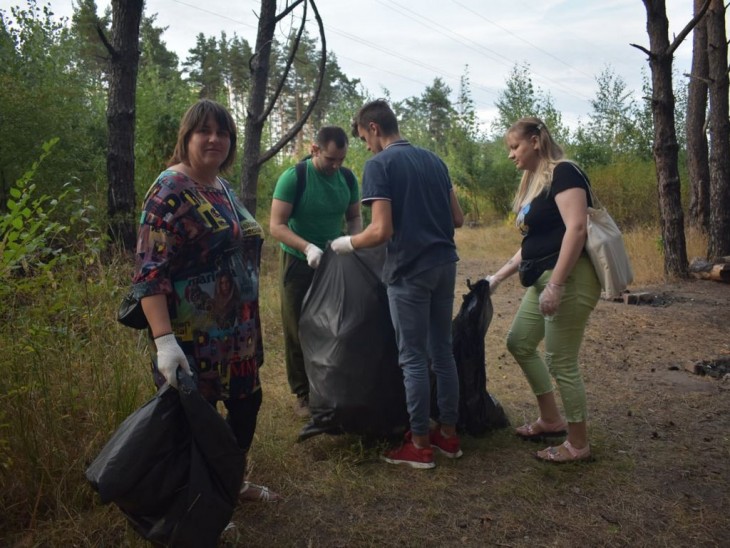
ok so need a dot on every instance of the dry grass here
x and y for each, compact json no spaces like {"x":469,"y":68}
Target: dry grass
{"x":500,"y":241}
{"x":656,"y":481}
{"x":644,"y":246}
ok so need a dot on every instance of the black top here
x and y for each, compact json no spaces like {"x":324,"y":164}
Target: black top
{"x":542,"y":225}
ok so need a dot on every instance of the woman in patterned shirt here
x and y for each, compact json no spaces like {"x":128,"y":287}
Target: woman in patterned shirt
{"x":193,"y":233}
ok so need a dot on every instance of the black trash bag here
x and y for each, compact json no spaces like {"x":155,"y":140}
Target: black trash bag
{"x":173,"y":467}
{"x":350,"y":353}
{"x":479,"y":412}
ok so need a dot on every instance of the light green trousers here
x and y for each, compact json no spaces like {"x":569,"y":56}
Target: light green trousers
{"x":563,"y":334}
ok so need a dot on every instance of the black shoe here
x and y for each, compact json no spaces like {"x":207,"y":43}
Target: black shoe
{"x":301,"y":407}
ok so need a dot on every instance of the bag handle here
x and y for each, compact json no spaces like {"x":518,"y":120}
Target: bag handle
{"x":597,"y":204}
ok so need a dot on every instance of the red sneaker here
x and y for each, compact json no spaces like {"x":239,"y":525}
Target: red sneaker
{"x":450,"y":447}
{"x":415,"y":457}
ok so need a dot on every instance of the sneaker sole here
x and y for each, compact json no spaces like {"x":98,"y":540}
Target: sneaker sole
{"x":448,"y":455}
{"x":412,"y":464}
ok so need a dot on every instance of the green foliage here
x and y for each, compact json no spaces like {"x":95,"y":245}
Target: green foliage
{"x":628,"y":190}
{"x":65,"y":385}
{"x":27,"y":231}
{"x":520,"y":99}
{"x":617,"y":127}
{"x":32,"y":240}
{"x":161,"y":102}
{"x":502,"y":179}
{"x":466,"y":154}
{"x":55,"y":390}
{"x":49,"y":91}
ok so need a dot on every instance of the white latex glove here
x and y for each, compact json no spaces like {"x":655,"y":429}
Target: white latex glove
{"x":342,"y":245}
{"x":493,"y":283}
{"x":169,"y":357}
{"x":314,"y":255}
{"x":550,"y":299}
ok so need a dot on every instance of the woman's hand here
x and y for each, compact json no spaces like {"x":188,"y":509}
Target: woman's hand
{"x":169,"y":357}
{"x":493,"y":283}
{"x":550,"y":299}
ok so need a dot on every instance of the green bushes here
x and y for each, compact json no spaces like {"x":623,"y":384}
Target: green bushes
{"x":628,"y":189}
{"x":65,"y":376}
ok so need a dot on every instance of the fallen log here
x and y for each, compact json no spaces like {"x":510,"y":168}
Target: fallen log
{"x":705,"y":270}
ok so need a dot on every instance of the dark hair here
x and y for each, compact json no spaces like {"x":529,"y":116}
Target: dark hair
{"x":377,"y":111}
{"x":195,"y":117}
{"x":331,"y":134}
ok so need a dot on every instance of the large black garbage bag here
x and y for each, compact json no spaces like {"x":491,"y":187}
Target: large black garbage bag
{"x":350,"y":353}
{"x":173,"y":467}
{"x":479,"y":412}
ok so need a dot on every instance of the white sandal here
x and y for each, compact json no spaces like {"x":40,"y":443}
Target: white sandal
{"x":265,"y":495}
{"x":571,"y":453}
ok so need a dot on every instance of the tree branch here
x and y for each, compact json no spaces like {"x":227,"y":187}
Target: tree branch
{"x":288,"y":10}
{"x":688,"y":28}
{"x":707,"y":81}
{"x":642,"y":48}
{"x":300,"y":123}
{"x":107,"y":44}
{"x":287,"y":68}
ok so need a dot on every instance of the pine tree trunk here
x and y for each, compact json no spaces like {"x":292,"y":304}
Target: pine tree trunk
{"x":666,"y":149}
{"x":697,"y":146}
{"x":719,"y":233}
{"x":257,"y":97}
{"x":124,"y":50}
{"x":257,"y":113}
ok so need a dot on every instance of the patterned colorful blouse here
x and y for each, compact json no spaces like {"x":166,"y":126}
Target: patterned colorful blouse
{"x":205,"y":258}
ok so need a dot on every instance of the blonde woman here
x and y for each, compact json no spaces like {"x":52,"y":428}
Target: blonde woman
{"x":551,"y":205}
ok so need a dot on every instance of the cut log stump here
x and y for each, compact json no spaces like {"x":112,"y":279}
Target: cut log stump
{"x":705,"y":270}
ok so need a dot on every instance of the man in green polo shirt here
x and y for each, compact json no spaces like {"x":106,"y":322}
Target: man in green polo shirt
{"x":305,"y":215}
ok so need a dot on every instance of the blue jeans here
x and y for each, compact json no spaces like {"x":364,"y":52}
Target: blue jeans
{"x":421,"y":307}
{"x":563,"y":336}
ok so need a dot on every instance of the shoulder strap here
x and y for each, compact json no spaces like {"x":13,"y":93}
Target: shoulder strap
{"x":301,"y":171}
{"x":349,"y":177}
{"x":594,"y":199}
{"x":595,"y":202}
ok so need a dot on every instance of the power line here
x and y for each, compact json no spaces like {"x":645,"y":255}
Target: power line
{"x":193,"y":6}
{"x":505,"y":29}
{"x":399,"y":75}
{"x":482,"y":50}
{"x":463,"y":40}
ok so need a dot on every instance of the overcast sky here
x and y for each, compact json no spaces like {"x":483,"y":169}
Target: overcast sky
{"x":402,"y":45}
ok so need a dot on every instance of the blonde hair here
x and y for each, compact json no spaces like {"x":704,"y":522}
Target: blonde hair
{"x":549,"y":152}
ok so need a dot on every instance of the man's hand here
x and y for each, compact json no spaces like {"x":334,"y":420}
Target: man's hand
{"x":314,"y":255}
{"x":342,"y":245}
{"x":169,"y":357}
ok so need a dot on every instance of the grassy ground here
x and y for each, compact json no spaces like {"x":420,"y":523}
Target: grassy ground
{"x":659,"y":434}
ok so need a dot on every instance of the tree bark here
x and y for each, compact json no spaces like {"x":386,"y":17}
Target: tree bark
{"x":719,"y":233}
{"x":259,"y":65}
{"x":697,"y":146}
{"x":120,"y":114}
{"x":666,"y":149}
{"x":257,"y":113}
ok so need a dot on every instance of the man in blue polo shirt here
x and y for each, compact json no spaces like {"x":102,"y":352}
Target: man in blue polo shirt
{"x":414,"y":208}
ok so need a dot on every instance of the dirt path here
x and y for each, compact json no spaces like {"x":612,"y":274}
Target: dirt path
{"x":660,"y":435}
{"x":669,"y":425}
